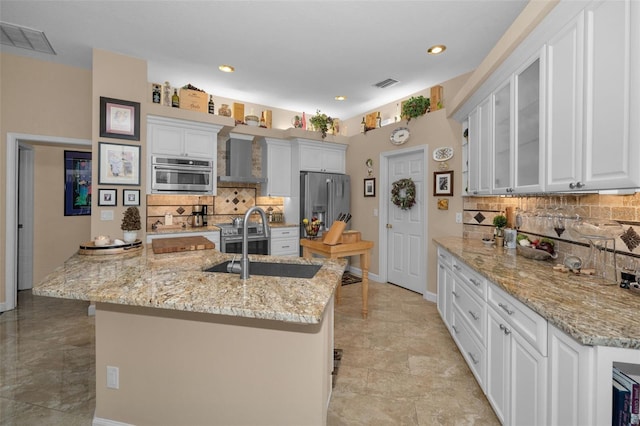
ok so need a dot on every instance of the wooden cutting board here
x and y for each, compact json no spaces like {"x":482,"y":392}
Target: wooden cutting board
{"x":172,"y":245}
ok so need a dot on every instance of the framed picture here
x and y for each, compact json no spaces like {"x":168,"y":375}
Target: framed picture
{"x":107,"y":197}
{"x":77,"y":183}
{"x":119,"y":119}
{"x":130,"y":197}
{"x":370,"y":187}
{"x":118,"y":164}
{"x":443,"y":183}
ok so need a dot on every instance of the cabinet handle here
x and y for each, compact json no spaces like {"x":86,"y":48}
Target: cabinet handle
{"x":456,"y":267}
{"x":454,"y":328}
{"x":506,"y":309}
{"x":454,"y":293}
{"x":286,"y":246}
{"x":580,"y":185}
{"x":473,"y":358}
{"x":475,"y":282}
{"x":442,"y":256}
{"x":474,"y":315}
{"x":286,"y":233}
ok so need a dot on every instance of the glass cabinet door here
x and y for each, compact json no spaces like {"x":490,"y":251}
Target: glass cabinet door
{"x":502,"y":159}
{"x":527,"y":166}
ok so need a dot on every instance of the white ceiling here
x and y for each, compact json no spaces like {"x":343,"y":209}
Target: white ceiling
{"x":295,"y":55}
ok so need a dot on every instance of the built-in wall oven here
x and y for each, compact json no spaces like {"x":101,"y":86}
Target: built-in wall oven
{"x":231,"y":239}
{"x":181,"y":175}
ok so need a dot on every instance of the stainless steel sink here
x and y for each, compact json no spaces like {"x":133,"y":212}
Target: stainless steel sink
{"x":295,"y":270}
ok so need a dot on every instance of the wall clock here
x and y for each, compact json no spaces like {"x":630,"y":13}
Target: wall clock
{"x":400,"y":135}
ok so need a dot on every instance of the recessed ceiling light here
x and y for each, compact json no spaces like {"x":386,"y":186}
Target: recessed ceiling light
{"x":437,"y":49}
{"x":226,"y":68}
{"x":340,"y":98}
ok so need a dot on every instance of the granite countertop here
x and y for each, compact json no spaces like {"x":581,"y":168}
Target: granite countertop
{"x":591,"y":313}
{"x":210,"y":228}
{"x":177,"y":281}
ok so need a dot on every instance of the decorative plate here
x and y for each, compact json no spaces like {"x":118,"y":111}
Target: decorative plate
{"x":443,"y":154}
{"x":400,"y":135}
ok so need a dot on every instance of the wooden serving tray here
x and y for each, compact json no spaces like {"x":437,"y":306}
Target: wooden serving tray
{"x":93,"y":250}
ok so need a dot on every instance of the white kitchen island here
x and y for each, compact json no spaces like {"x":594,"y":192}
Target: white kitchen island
{"x":194,"y":347}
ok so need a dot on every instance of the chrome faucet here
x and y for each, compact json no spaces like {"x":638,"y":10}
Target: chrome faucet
{"x":244,"y":262}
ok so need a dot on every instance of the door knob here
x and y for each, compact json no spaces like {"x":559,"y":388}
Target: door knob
{"x":389,"y":226}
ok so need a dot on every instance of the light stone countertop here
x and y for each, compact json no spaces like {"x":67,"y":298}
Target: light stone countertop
{"x":591,"y":313}
{"x":176,"y":281}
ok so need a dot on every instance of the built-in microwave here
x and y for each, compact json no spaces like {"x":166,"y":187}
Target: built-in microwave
{"x":181,"y":174}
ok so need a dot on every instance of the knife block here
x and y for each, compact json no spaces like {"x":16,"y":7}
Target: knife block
{"x":334,"y":234}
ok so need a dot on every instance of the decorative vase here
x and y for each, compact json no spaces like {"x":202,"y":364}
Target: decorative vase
{"x":224,"y":111}
{"x":130,"y":236}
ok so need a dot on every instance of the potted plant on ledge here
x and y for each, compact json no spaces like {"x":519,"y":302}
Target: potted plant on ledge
{"x":500,"y":221}
{"x":321,"y":122}
{"x":131,"y":224}
{"x":415,"y":106}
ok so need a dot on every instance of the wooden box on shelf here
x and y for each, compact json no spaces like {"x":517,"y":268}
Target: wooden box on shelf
{"x":193,"y":100}
{"x":238,"y":111}
{"x":436,"y":98}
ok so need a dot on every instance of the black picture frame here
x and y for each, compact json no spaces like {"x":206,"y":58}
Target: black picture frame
{"x":119,"y":119}
{"x":77,"y":183}
{"x":107,"y":197}
{"x":370,"y":187}
{"x":118,"y":164}
{"x":130,"y":197}
{"x":443,"y":183}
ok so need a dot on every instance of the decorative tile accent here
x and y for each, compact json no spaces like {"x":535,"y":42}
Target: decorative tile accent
{"x":630,"y":238}
{"x":180,"y":210}
{"x":479,"y":217}
{"x":234,"y":200}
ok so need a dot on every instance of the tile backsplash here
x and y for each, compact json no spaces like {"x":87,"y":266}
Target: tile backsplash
{"x":230,"y":201}
{"x":538,"y":213}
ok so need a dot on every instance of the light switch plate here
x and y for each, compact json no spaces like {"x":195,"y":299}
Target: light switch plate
{"x":458,"y":217}
{"x":113,"y":377}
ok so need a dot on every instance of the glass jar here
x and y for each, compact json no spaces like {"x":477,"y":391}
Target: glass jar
{"x":224,"y":110}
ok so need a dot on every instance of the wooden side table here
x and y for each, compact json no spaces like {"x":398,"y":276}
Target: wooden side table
{"x":360,"y":248}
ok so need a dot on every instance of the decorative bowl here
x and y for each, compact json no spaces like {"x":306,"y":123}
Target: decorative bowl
{"x":532,"y":253}
{"x":252,"y":120}
{"x":101,"y":240}
{"x":312,"y":230}
{"x":487,"y":242}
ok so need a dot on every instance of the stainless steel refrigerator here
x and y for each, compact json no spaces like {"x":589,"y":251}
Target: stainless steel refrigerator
{"x":324,"y":196}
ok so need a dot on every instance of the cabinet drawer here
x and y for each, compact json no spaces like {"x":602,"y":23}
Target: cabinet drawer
{"x":286,"y":246}
{"x":472,"y":351}
{"x":289,"y":232}
{"x":529,"y":325}
{"x":444,"y":257}
{"x":476,"y":282}
{"x":474,"y":310}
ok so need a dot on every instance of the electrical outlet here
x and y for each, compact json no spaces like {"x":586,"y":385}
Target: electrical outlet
{"x":113,"y":377}
{"x":458,"y":217}
{"x":375,"y":212}
{"x":106,"y":215}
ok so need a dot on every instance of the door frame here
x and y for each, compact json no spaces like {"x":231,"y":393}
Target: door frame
{"x":385,"y":199}
{"x":11,"y":207}
{"x":25,"y":210}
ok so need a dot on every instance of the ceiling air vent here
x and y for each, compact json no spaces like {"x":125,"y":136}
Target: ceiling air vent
{"x":25,"y":38}
{"x":386,"y":83}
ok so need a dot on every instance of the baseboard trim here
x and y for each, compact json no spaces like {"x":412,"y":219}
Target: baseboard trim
{"x":358,"y":272}
{"x":97,"y":421}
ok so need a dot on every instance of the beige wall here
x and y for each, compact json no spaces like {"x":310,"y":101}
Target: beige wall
{"x":39,"y":98}
{"x":55,"y":236}
{"x":434,"y":130}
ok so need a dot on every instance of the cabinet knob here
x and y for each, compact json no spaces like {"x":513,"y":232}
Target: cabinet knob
{"x":389,"y":226}
{"x":580,"y":185}
{"x":572,"y":185}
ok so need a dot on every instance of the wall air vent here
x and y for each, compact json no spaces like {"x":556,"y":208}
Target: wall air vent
{"x":24,"y":38}
{"x":386,"y":83}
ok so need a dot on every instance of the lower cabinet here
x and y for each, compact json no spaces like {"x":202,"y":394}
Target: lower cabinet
{"x":285,"y":241}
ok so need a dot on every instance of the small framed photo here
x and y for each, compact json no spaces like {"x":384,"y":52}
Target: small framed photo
{"x":370,"y":187}
{"x":443,"y":183}
{"x":119,"y":119}
{"x":118,"y":164}
{"x":130,"y":197}
{"x":107,"y":197}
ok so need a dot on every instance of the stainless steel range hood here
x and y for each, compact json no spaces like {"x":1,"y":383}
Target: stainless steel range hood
{"x":239,"y":161}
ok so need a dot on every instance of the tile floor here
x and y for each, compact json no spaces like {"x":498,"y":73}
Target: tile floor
{"x":399,"y":367}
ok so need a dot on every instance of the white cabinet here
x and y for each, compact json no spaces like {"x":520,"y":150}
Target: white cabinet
{"x":502,"y":140}
{"x":322,"y":156}
{"x":285,"y":241}
{"x":167,"y":136}
{"x":517,"y":360}
{"x":445,"y":286}
{"x":276,"y":167}
{"x":480,"y":137}
{"x":571,"y":378}
{"x":593,"y":100}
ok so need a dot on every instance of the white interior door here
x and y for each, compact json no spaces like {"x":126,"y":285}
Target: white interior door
{"x":405,"y":228}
